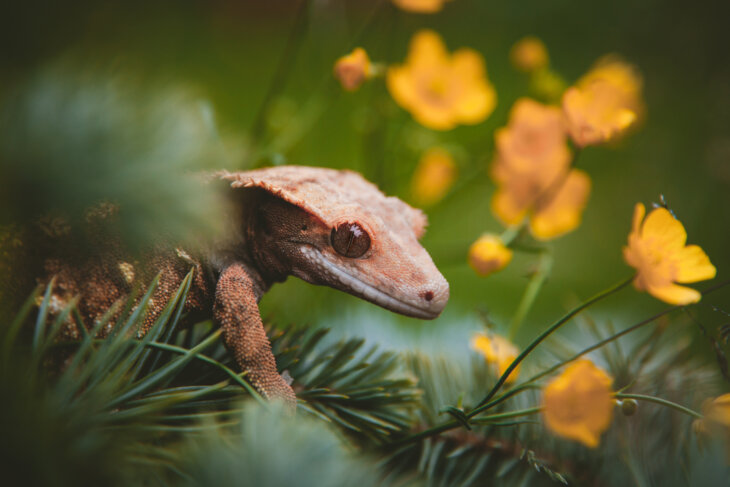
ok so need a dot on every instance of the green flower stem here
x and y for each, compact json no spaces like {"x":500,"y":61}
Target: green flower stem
{"x":529,"y":383}
{"x":449,"y":425}
{"x":603,"y":294}
{"x":507,"y":415}
{"x":531,"y":291}
{"x":510,"y":234}
{"x":658,"y":400}
{"x":286,"y":62}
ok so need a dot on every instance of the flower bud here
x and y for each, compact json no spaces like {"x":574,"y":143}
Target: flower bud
{"x":529,"y":54}
{"x":352,"y":70}
{"x":488,"y":255}
{"x":628,"y":407}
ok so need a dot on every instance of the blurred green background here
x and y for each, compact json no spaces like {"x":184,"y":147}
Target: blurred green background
{"x":227,"y":53}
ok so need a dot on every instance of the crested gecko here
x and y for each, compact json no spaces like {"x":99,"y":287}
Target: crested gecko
{"x":327,"y":227}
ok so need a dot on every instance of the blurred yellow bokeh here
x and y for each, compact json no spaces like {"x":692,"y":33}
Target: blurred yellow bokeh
{"x":488,"y":255}
{"x":442,"y":90}
{"x":353,"y":69}
{"x":532,"y":171}
{"x":498,"y":352}
{"x":604,"y":103}
{"x":420,"y":6}
{"x":529,"y":54}
{"x":433,"y":177}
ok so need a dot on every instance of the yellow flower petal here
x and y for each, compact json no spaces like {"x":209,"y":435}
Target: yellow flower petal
{"x":474,"y":106}
{"x":674,"y":294}
{"x":427,"y":49}
{"x":531,"y":172}
{"x":497,"y":351}
{"x":508,"y":209}
{"x":666,"y":230}
{"x":398,"y":85}
{"x":623,"y":76}
{"x":562,"y":213}
{"x":656,"y":249}
{"x":639,"y":212}
{"x":604,"y":103}
{"x":694,"y":265}
{"x":595,"y":113}
{"x":718,"y":410}
{"x":578,"y":404}
{"x":433,"y":177}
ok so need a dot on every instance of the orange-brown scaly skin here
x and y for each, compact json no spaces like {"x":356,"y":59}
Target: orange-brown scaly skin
{"x":283,"y":224}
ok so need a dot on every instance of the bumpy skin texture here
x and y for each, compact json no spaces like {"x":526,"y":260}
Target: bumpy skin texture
{"x":237,"y":312}
{"x":284,"y":223}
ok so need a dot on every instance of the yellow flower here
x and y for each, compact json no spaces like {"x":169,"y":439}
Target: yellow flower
{"x":488,"y":255}
{"x":578,"y":404}
{"x":718,"y":410}
{"x":604,"y":103}
{"x":420,"y":6}
{"x":533,"y":175}
{"x":353,"y":69}
{"x":529,"y":54}
{"x":433,"y":177}
{"x":441,"y":90}
{"x":657,"y":250}
{"x":716,"y":421}
{"x":498,"y":352}
{"x":623,"y":76}
{"x":561,"y":212}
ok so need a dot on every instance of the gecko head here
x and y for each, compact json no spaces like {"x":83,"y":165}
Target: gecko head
{"x":336,"y":229}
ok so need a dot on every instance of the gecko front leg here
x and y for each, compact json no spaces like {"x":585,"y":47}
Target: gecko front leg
{"x":236,"y":311}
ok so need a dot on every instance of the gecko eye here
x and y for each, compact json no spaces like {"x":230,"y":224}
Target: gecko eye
{"x":350,"y":240}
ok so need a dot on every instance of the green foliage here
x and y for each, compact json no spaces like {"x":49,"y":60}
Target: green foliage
{"x":72,"y":137}
{"x":86,"y":126}
{"x":484,"y":453}
{"x":170,"y":408}
{"x":80,"y":426}
{"x":114,"y":410}
{"x":269,"y":448}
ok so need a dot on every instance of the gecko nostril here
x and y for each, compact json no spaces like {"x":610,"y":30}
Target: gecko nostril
{"x":428,"y":295}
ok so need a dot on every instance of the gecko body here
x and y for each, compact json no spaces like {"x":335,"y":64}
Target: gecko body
{"x":324,"y":226}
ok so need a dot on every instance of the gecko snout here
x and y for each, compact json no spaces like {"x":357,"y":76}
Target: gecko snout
{"x":434,"y":297}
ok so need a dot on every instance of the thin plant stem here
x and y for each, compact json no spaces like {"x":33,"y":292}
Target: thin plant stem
{"x":659,"y":400}
{"x":286,"y":62}
{"x":507,"y":415}
{"x":317,"y":103}
{"x":529,"y":383}
{"x":449,"y":425}
{"x":552,"y":329}
{"x":510,"y":234}
{"x":531,"y":291}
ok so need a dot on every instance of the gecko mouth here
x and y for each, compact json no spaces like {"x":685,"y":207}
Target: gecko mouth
{"x":357,"y":287}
